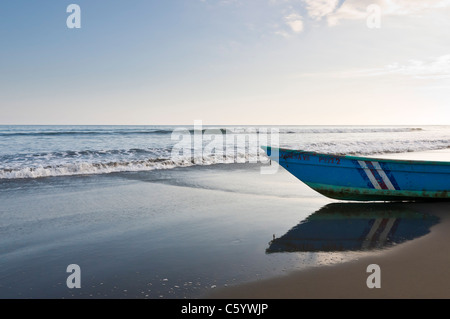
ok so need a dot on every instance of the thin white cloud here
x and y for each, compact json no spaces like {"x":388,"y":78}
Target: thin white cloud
{"x":406,"y":7}
{"x":431,"y":69}
{"x":282,"y":33}
{"x":357,"y":9}
{"x":295,"y":22}
{"x":436,"y":68}
{"x":317,"y":9}
{"x":292,"y":24}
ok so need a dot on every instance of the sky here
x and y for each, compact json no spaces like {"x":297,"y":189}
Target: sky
{"x":229,"y":62}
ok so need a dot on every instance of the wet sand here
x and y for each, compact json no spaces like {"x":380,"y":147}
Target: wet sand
{"x":167,"y":234}
{"x":200,"y":232}
{"x":415,"y":269}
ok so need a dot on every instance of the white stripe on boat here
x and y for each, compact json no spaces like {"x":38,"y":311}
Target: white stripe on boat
{"x":383,"y":175}
{"x":369,"y":174}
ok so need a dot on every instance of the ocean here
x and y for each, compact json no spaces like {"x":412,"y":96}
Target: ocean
{"x":43,"y":151}
{"x":163,"y":212}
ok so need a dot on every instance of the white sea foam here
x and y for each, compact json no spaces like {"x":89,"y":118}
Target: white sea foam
{"x":89,"y":167}
{"x":86,"y":168}
{"x":34,"y":153}
{"x":373,"y":147}
{"x":64,"y":132}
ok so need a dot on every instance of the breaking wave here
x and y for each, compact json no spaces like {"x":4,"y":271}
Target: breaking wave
{"x":34,"y":152}
{"x":374,"y":147}
{"x":86,"y":168}
{"x":133,"y":160}
{"x":208,"y":130}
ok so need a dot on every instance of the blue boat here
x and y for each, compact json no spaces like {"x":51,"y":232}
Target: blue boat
{"x":357,"y":178}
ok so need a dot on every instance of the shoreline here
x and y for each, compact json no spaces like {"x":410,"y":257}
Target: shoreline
{"x":414,"y":269}
{"x":130,"y":232}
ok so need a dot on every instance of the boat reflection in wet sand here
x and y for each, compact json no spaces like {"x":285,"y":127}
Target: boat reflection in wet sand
{"x":354,"y":227}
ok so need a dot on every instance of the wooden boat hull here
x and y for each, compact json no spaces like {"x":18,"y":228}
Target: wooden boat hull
{"x":364,"y":178}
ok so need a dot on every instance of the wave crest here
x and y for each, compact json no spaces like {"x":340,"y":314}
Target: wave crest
{"x":208,"y":130}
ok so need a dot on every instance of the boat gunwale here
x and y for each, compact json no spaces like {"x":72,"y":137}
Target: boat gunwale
{"x":360,"y":158}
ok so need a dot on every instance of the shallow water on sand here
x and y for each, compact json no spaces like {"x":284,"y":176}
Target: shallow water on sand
{"x":175,"y":233}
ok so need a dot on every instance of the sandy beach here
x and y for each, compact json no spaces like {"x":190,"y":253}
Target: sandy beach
{"x":208,"y":232}
{"x":416,"y":269}
{"x":167,"y":234}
